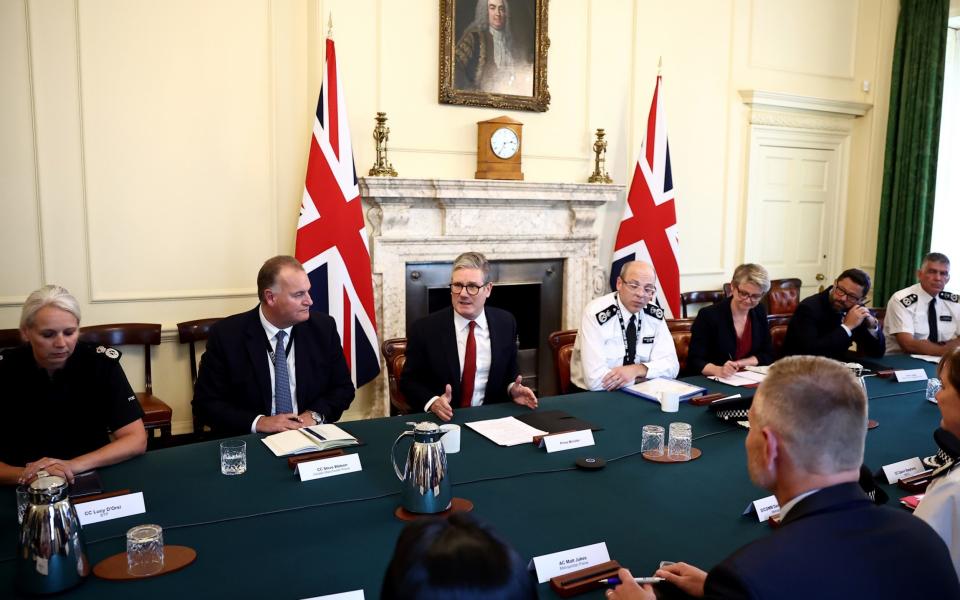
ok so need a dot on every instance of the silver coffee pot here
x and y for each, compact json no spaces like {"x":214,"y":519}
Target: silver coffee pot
{"x":425,"y":486}
{"x":50,"y":550}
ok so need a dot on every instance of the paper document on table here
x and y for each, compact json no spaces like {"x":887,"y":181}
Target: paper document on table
{"x":506,"y":431}
{"x":742,"y":378}
{"x":926,"y":357}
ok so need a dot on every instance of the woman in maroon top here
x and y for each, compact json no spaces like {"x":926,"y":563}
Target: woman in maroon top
{"x":733,"y":333}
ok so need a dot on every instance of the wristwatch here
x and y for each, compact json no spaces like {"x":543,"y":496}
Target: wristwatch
{"x":317,"y":417}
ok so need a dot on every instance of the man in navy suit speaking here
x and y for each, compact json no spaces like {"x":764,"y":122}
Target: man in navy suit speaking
{"x":276,"y":367}
{"x":465,"y":355}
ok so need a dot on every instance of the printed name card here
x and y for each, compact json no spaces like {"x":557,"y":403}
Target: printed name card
{"x":96,"y":511}
{"x":911,"y":375}
{"x":568,"y":561}
{"x":764,"y":507}
{"x":568,"y":441}
{"x":328,"y":467}
{"x":354,"y":595}
{"x":903,"y":469}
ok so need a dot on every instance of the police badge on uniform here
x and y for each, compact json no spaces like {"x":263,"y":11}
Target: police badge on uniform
{"x":108,"y":352}
{"x":654,"y":311}
{"x":906,"y":301}
{"x":949,"y":296}
{"x":604,"y":315}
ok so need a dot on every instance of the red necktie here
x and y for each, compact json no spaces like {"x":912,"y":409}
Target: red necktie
{"x":469,"y":368}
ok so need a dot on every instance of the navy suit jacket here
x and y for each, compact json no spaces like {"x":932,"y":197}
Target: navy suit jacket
{"x":815,"y":329}
{"x":837,"y":544}
{"x":713,"y":337}
{"x":432,"y":360}
{"x":233,"y":384}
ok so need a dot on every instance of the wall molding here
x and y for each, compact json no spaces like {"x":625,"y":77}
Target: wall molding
{"x":758,"y":99}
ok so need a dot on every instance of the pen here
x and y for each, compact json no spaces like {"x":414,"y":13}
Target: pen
{"x":640,"y":580}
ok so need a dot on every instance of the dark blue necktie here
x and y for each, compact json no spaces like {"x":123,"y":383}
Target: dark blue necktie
{"x":281,"y":388}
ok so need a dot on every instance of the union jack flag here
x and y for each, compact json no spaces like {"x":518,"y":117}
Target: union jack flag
{"x":648,"y":229}
{"x":331,"y":236}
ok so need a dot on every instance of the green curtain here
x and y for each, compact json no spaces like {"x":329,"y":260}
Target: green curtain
{"x":913,"y":136}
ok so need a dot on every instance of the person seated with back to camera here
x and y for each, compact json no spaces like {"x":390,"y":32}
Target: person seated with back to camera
{"x":455,"y":557}
{"x":67,"y":405}
{"x":733,"y":333}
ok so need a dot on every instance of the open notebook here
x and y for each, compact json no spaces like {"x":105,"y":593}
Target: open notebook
{"x":324,"y":436}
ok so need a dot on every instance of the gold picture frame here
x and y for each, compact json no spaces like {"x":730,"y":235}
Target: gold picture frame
{"x":494,"y":53}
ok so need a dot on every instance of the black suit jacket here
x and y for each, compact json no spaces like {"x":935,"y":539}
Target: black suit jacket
{"x":815,"y":329}
{"x":233,"y":385}
{"x":432,"y":360}
{"x":714,"y":338}
{"x":837,"y":544}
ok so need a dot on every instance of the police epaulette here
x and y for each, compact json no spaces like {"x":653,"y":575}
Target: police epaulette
{"x":654,"y":311}
{"x":909,"y":300}
{"x":950,"y":296}
{"x":604,"y":315}
{"x":109,"y":352}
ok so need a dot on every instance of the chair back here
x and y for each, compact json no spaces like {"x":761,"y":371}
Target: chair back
{"x":10,"y":338}
{"x":880,"y":314}
{"x":562,"y":344}
{"x":699,"y":297}
{"x":783,"y":297}
{"x":395,"y":355}
{"x":680,"y":331}
{"x":191,"y":332}
{"x":126,"y":334}
{"x":778,"y":333}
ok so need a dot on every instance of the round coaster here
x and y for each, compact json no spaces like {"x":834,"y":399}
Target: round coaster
{"x":590,"y":463}
{"x":114,"y":568}
{"x":872,"y":424}
{"x":663,"y":458}
{"x":457,"y":505}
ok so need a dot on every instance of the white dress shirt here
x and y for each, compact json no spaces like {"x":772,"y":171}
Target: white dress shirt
{"x":271,"y":332}
{"x":481,"y":335}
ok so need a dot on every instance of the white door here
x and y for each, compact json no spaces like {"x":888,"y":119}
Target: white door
{"x":793,"y":206}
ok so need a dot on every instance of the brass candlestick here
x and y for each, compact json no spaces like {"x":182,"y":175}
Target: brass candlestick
{"x":381,"y":133}
{"x":600,"y":174}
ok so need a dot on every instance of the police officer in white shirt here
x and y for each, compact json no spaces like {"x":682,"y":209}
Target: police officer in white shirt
{"x":622,"y":336}
{"x":923,"y":318}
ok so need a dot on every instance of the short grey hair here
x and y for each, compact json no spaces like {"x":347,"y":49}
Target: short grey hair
{"x":818,"y":408}
{"x":473,"y":260}
{"x":626,"y":267}
{"x":267,"y":276}
{"x":48,"y":295}
{"x":752,"y":273}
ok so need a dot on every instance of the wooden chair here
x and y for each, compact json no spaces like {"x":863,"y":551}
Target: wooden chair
{"x":395,"y":355}
{"x":699,"y":297}
{"x":881,"y":314}
{"x":192,"y":332}
{"x":156,"y":413}
{"x":783,"y":297}
{"x":10,"y":338}
{"x":562,"y":344}
{"x":680,"y":331}
{"x":778,"y":333}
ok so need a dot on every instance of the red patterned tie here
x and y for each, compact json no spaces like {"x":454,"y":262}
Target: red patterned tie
{"x":469,"y":368}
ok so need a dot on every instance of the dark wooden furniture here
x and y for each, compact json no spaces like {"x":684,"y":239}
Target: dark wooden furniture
{"x":778,"y":333}
{"x":681,"y":334}
{"x":699,"y":297}
{"x":783,"y":297}
{"x":395,"y":355}
{"x":10,"y":338}
{"x":562,"y":344}
{"x":157,"y":414}
{"x":193,"y":332}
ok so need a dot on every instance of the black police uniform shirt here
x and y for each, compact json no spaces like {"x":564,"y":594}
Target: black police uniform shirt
{"x":64,"y":415}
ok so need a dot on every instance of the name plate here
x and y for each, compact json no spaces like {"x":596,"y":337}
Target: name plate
{"x":567,"y":561}
{"x":903,"y":469}
{"x":108,"y":509}
{"x":764,"y":507}
{"x":910,"y":375}
{"x":354,"y":595}
{"x":568,"y":441}
{"x":328,"y":467}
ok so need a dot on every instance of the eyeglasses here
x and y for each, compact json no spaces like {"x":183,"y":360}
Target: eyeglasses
{"x":649,"y":290}
{"x":472,"y":288}
{"x":844,"y":294}
{"x":747,"y":296}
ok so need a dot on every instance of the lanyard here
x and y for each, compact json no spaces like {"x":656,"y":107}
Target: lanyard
{"x":271,"y":351}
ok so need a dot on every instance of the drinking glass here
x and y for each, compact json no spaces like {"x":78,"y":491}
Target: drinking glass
{"x":144,"y":550}
{"x":233,"y":457}
{"x":651,"y":442}
{"x":933,"y":386}
{"x":681,"y":441}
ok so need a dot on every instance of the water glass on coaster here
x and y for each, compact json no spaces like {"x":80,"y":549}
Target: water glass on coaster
{"x":680,"y":444}
{"x":233,"y":457}
{"x":144,"y":550}
{"x":933,"y":386}
{"x":651,"y":442}
{"x":23,"y":501}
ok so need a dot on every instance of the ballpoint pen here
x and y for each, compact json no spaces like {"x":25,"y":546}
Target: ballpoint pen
{"x":640,"y":580}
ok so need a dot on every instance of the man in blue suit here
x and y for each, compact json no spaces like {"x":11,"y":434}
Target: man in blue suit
{"x":465,"y":355}
{"x":276,"y":367}
{"x":808,"y":423}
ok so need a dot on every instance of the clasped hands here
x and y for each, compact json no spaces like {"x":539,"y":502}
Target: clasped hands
{"x":521,"y":394}
{"x":284,"y":422}
{"x":618,"y":377}
{"x":858,"y":314}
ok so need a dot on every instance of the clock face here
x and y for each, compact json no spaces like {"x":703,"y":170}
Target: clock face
{"x":504,"y":142}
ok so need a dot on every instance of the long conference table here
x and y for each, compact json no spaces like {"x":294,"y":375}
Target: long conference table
{"x":265,"y":534}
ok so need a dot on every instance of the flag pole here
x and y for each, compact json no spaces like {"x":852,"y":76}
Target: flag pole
{"x":330,"y":25}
